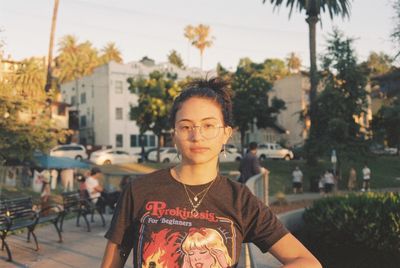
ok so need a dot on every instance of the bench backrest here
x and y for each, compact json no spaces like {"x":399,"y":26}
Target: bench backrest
{"x":18,"y":209}
{"x":70,"y":200}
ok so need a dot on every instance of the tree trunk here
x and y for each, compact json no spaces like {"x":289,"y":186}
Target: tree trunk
{"x":50,"y":55}
{"x":312,"y":132}
{"x":312,"y":21}
{"x":201,"y":60}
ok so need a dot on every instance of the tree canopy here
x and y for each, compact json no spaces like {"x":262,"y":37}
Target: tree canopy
{"x":343,"y":101}
{"x":175,"y":59}
{"x":156,"y":95}
{"x":251,"y":102}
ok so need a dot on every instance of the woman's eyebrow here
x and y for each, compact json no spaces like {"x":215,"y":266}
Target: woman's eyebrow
{"x":204,"y":119}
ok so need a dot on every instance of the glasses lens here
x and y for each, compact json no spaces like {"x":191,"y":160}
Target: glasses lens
{"x":209,"y":131}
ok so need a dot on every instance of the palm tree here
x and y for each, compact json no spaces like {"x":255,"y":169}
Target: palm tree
{"x":313,"y":10}
{"x":189,"y":34}
{"x":30,"y":78}
{"x":202,"y":40}
{"x":293,"y":63}
{"x":75,"y":60}
{"x":50,"y":55}
{"x":110,"y":52}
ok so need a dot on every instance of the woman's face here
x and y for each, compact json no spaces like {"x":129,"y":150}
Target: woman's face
{"x":200,"y":258}
{"x":195,"y":148}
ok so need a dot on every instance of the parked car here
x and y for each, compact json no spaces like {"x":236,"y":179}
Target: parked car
{"x":229,"y":156}
{"x":112,"y":156}
{"x":231,"y":147}
{"x":75,"y":151}
{"x":274,"y":151}
{"x":167,"y":155}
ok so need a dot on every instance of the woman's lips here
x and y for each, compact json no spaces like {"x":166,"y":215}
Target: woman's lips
{"x":198,"y":265}
{"x":198,"y":149}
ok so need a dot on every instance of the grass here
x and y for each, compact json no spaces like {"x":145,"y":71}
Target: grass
{"x":385,"y":172}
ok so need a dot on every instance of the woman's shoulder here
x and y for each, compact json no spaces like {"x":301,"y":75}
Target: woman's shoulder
{"x":157,"y":176}
{"x":234,"y":185}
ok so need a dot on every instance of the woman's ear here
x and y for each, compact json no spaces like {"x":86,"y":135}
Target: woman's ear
{"x":228,"y":131}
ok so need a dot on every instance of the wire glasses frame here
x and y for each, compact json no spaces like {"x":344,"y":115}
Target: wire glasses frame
{"x":207,"y":131}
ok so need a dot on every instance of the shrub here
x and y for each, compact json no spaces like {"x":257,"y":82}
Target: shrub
{"x":365,"y":221}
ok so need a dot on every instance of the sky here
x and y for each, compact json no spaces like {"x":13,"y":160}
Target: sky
{"x":241,"y":28}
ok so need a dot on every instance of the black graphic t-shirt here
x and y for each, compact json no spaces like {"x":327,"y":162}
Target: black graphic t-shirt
{"x":153,"y":217}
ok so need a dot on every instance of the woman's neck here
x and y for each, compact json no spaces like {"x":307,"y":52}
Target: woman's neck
{"x":195,"y":174}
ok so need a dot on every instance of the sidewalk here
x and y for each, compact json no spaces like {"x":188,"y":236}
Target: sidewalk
{"x":79,"y":249}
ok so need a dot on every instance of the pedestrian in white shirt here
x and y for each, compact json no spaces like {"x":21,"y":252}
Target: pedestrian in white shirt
{"x":297,"y":180}
{"x":366,"y":178}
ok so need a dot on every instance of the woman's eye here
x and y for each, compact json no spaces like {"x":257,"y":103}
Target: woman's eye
{"x":184,"y":128}
{"x":203,"y":252}
{"x":208,"y":126}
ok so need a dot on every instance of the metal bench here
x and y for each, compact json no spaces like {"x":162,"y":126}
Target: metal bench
{"x":18,"y":214}
{"x":75,"y":202}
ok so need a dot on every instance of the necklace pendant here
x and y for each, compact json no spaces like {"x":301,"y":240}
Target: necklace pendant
{"x":195,"y":198}
{"x":194,"y":212}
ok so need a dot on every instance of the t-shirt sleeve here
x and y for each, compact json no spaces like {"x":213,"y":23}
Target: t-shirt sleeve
{"x":120,"y":231}
{"x":261,"y":225}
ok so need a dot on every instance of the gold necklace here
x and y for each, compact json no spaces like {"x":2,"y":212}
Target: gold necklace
{"x":194,"y":205}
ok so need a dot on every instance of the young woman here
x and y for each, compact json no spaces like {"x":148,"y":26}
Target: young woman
{"x":156,"y":214}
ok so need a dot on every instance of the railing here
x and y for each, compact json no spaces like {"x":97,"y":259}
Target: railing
{"x":259,"y":186}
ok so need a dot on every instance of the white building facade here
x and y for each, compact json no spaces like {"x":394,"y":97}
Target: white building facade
{"x":103,"y":101}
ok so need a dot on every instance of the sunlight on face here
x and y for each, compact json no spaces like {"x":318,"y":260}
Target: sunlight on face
{"x":196,"y":147}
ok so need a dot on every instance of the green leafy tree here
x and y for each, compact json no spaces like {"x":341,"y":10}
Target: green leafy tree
{"x":378,"y":63}
{"x":110,"y":52}
{"x":340,"y":103}
{"x":24,"y":128}
{"x":250,"y":100}
{"x":156,"y":95}
{"x":175,"y":59}
{"x":386,"y":124}
{"x":313,"y":8}
{"x":274,"y":69}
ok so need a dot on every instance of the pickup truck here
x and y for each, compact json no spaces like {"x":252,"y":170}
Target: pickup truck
{"x":274,"y":151}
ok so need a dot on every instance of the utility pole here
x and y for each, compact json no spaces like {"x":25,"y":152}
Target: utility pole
{"x":50,"y":54}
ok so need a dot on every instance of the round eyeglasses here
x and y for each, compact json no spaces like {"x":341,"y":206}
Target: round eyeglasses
{"x":207,"y":131}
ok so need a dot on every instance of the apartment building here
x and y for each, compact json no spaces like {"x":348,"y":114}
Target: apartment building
{"x":102,"y":102}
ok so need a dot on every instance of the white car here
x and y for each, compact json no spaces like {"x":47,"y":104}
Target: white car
{"x":229,"y":156}
{"x":75,"y":151}
{"x":167,"y":155}
{"x":274,"y":151}
{"x":112,"y":156}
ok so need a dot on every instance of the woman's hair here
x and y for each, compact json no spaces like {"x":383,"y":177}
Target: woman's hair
{"x":206,"y":238}
{"x":214,"y":89}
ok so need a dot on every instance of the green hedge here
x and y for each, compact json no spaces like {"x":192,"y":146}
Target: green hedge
{"x":368,"y":222}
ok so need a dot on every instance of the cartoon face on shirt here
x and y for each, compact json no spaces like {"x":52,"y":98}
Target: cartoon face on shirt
{"x":200,"y":258}
{"x":205,"y":248}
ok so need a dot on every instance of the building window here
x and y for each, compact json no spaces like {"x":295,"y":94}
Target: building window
{"x":83,"y":121}
{"x":83,"y":98}
{"x":118,"y":87}
{"x":134,"y":141}
{"x":118,"y":114}
{"x":152,"y":140}
{"x":73,"y":100}
{"x":119,"y":140}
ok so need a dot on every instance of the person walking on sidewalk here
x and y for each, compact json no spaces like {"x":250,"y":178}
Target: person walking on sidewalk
{"x":189,"y":212}
{"x":366,"y":178}
{"x":250,"y":165}
{"x":297,"y":180}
